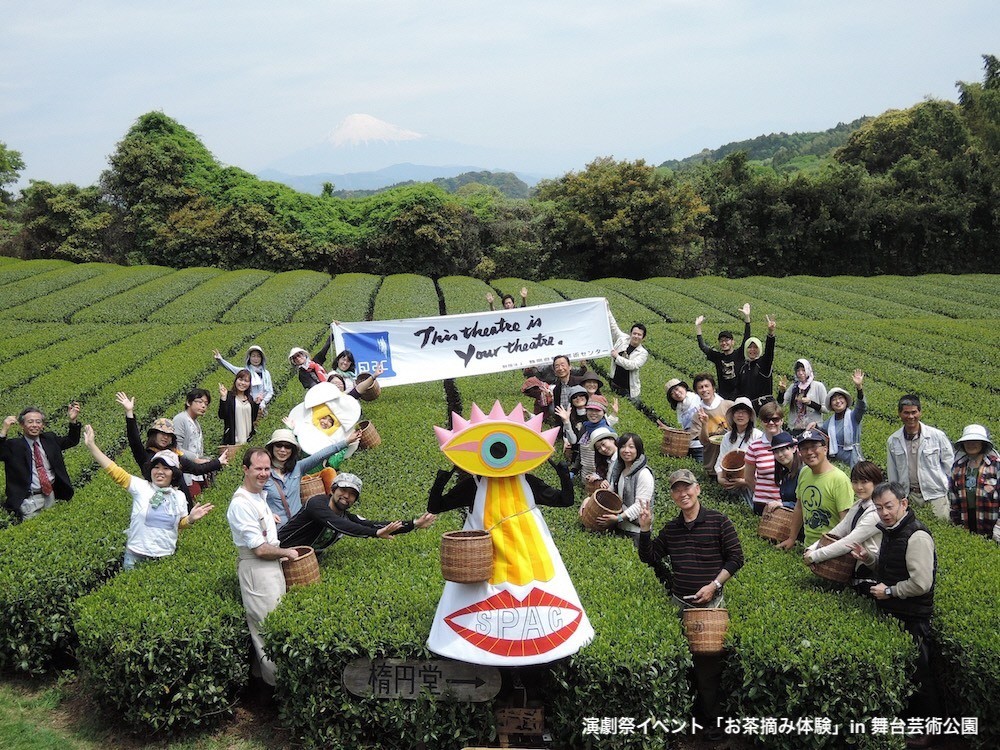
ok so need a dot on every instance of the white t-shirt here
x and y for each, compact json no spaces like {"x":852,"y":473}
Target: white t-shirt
{"x":153,"y":531}
{"x":251,"y":521}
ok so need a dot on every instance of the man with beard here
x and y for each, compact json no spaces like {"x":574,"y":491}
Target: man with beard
{"x":324,"y":520}
{"x":727,"y":358}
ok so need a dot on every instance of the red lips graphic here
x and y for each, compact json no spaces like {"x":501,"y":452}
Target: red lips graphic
{"x":505,"y":626}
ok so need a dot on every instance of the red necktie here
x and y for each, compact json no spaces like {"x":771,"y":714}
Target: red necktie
{"x":43,"y":476}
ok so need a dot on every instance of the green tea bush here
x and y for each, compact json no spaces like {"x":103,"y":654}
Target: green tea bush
{"x":80,"y":543}
{"x":23,"y":337}
{"x":278,"y":298}
{"x":61,"y":304}
{"x":137,"y":304}
{"x":36,"y":287}
{"x":965,"y":624}
{"x":344,"y":298}
{"x":15,"y":270}
{"x":209,"y":301}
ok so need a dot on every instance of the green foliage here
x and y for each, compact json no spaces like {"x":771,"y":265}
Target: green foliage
{"x":620,"y":219}
{"x":278,"y":298}
{"x":61,"y":305}
{"x":11,"y":165}
{"x":139,"y":303}
{"x":63,"y":221}
{"x":421,"y":229}
{"x":164,"y":647}
{"x":777,"y":148}
{"x":508,"y":183}
{"x":209,"y":301}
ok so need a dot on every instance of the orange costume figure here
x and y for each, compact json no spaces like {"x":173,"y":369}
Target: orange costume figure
{"x":528,"y":612}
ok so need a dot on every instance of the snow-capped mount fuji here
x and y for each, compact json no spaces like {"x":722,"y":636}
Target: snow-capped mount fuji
{"x":361,"y":130}
{"x":363,"y":143}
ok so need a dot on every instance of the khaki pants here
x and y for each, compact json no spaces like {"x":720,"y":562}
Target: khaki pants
{"x":262,"y":585}
{"x":939,"y":505}
{"x":32,"y":505}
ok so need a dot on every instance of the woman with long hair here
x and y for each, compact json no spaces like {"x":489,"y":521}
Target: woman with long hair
{"x":282,"y":490}
{"x":858,"y":526}
{"x":238,"y":410}
{"x":631,"y":479}
{"x":787,"y":464}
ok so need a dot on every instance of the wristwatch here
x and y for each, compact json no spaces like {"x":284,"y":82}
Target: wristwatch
{"x":888,"y":591}
{"x":718,"y":586}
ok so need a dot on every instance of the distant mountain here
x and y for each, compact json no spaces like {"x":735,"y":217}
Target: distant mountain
{"x":365,"y":153}
{"x":776,"y":148}
{"x":364,"y":183}
{"x":362,"y":143}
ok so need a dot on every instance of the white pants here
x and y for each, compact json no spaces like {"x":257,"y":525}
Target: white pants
{"x":32,"y":505}
{"x":262,"y":585}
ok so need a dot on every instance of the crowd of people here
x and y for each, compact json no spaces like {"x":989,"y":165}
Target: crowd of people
{"x":798,"y":448}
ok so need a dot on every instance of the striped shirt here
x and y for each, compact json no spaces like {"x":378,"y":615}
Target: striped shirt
{"x":762,"y":457}
{"x":698,"y":550}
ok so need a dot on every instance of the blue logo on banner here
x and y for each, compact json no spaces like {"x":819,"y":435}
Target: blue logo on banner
{"x":371,"y":351}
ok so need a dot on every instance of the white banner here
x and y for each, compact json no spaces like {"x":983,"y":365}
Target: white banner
{"x":417,"y":350}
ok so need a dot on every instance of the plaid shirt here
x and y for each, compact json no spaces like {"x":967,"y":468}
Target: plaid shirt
{"x":986,"y":499}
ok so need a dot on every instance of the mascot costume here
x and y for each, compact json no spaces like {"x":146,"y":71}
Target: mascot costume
{"x":528,"y":612}
{"x":324,"y":400}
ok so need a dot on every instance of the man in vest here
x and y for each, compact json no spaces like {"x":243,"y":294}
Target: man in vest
{"x":905,"y":568}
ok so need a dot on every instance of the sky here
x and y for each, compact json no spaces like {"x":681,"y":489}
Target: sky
{"x":563,"y":81}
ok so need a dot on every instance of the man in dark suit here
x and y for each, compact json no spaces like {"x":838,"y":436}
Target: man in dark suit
{"x":36,"y":472}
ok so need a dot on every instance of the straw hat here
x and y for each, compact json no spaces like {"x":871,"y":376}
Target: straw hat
{"x":743,"y":402}
{"x":283,"y":436}
{"x":838,"y":392}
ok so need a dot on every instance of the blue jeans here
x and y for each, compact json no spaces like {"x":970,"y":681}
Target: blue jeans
{"x":134,"y":558}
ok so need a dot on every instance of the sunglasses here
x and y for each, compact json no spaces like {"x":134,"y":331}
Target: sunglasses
{"x":773,"y":420}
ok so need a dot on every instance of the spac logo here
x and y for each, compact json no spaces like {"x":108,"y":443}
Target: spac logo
{"x":371,"y":351}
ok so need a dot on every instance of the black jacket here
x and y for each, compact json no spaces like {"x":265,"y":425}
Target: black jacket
{"x":227,"y":413}
{"x":17,"y":458}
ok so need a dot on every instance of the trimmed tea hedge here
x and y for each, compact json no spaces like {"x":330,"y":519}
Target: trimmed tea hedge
{"x":209,"y":301}
{"x":137,"y":304}
{"x":60,"y":305}
{"x":278,"y":298}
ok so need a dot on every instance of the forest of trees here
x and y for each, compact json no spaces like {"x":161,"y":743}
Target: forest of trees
{"x":910,"y":191}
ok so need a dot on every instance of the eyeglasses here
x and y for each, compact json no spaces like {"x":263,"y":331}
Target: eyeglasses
{"x":773,"y":420}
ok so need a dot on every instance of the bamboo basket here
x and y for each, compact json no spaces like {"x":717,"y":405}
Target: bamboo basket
{"x":676,"y":443}
{"x":837,"y":569}
{"x":311,"y":484}
{"x":732,"y":464}
{"x":301,"y":571}
{"x":467,"y":556}
{"x":601,"y":502}
{"x":373,"y":392}
{"x":706,"y":629}
{"x":776,"y":524}
{"x":369,"y":435}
